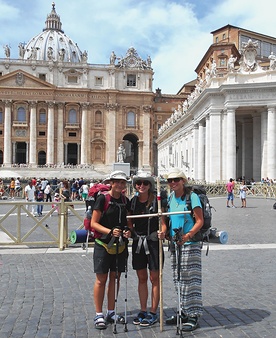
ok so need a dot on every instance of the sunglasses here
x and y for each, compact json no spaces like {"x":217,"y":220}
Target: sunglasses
{"x":176,"y":180}
{"x":142,"y":182}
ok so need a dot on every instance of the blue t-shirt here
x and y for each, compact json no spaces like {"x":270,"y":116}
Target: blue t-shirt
{"x":184,"y":221}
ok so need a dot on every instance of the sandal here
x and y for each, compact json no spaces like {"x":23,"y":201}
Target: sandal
{"x":191,"y":324}
{"x":99,"y":322}
{"x":110,"y":318}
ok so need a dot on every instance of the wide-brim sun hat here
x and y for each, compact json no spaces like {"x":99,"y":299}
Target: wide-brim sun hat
{"x":116,"y":175}
{"x":144,"y":176}
{"x":176,"y":173}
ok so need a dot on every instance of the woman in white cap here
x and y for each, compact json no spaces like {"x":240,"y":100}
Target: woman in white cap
{"x":188,"y":255}
{"x":110,"y":220}
{"x":145,"y":247}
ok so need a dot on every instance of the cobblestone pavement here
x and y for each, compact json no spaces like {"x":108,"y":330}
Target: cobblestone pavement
{"x":48,"y":293}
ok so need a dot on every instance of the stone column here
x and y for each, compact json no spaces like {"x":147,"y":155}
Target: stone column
{"x":231,"y":142}
{"x":201,"y":158}
{"x":7,"y":156}
{"x":50,"y":134}
{"x":257,"y":155}
{"x":84,"y":134}
{"x":33,"y":136}
{"x":271,"y":143}
{"x":60,"y":131}
{"x":146,"y":151}
{"x":207,"y":149}
{"x":215,"y":145}
{"x":140,"y":154}
{"x":247,"y":148}
{"x":263,"y":144}
{"x":224,"y":145}
{"x":194,"y":152}
{"x":111,"y":137}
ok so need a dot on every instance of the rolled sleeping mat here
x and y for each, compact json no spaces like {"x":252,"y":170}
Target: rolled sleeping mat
{"x":78,"y":236}
{"x":218,"y":236}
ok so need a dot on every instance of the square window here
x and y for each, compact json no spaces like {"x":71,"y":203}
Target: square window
{"x":98,"y":81}
{"x":42,"y":77}
{"x":41,"y":133}
{"x":72,"y":79}
{"x":131,"y":80}
{"x":71,"y":134}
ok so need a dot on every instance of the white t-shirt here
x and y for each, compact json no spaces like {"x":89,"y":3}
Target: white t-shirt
{"x":30,"y":191}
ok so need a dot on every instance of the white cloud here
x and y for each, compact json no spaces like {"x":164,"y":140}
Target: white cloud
{"x":176,"y":34}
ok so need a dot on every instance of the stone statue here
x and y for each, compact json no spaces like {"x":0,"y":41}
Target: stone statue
{"x":50,"y":53}
{"x":33,"y":54}
{"x":112,"y":58}
{"x":214,"y":69}
{"x":149,"y":62}
{"x":84,"y":56}
{"x":231,"y":63}
{"x":61,"y":54}
{"x":21,"y":50}
{"x":7,"y":51}
{"x":121,"y":154}
{"x":272,"y":61}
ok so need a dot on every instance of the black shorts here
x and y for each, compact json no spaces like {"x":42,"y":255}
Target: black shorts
{"x":104,"y":262}
{"x":142,"y":261}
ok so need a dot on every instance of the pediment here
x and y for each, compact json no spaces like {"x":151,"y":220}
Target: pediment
{"x":22,"y":79}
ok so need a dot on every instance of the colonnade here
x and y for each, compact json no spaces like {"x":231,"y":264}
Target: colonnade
{"x":223,"y":144}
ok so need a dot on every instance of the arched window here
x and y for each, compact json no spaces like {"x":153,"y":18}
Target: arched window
{"x":1,"y":117}
{"x":98,"y":118}
{"x":72,"y":118}
{"x":130,"y":119}
{"x":41,"y":157}
{"x":21,"y":114}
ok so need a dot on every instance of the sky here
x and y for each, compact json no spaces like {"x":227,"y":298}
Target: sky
{"x":175,"y":34}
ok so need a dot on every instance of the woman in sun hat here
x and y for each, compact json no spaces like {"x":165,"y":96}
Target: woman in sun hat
{"x":189,"y":252}
{"x":110,"y":220}
{"x":145,"y":247}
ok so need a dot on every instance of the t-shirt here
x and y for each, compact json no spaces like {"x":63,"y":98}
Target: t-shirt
{"x":142,"y":225}
{"x":229,"y":186}
{"x":184,"y":221}
{"x":115,"y":215}
{"x":30,"y":191}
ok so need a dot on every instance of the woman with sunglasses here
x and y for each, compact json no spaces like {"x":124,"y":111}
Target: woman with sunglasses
{"x":185,"y":253}
{"x":145,"y":247}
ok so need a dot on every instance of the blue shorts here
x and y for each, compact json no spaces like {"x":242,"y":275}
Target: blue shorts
{"x":230,"y":196}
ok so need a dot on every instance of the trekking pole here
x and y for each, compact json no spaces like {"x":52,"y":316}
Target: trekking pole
{"x":117,"y":286}
{"x":178,"y":262}
{"x":126,"y":329}
{"x":160,"y":255}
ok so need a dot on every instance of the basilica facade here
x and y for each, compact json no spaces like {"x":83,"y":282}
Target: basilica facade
{"x":57,"y":109}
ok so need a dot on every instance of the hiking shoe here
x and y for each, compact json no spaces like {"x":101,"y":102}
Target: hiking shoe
{"x":173,"y":319}
{"x":141,"y":315}
{"x":110,"y":318}
{"x":191,"y":324}
{"x":149,"y":320}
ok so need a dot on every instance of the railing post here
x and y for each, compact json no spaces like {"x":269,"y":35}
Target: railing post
{"x":62,"y":225}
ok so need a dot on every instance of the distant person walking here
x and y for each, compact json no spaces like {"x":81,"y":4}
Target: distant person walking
{"x":230,"y":193}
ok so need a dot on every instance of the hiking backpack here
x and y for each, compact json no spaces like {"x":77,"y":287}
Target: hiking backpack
{"x":95,"y":191}
{"x":203,"y":234}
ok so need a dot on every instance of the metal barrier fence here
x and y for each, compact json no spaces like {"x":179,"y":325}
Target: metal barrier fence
{"x":18,"y":225}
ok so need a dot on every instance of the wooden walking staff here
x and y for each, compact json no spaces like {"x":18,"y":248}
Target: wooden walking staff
{"x":160,"y":254}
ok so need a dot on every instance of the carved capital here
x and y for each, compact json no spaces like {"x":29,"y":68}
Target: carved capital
{"x":112,"y":106}
{"x":147,"y":109}
{"x":51,"y":104}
